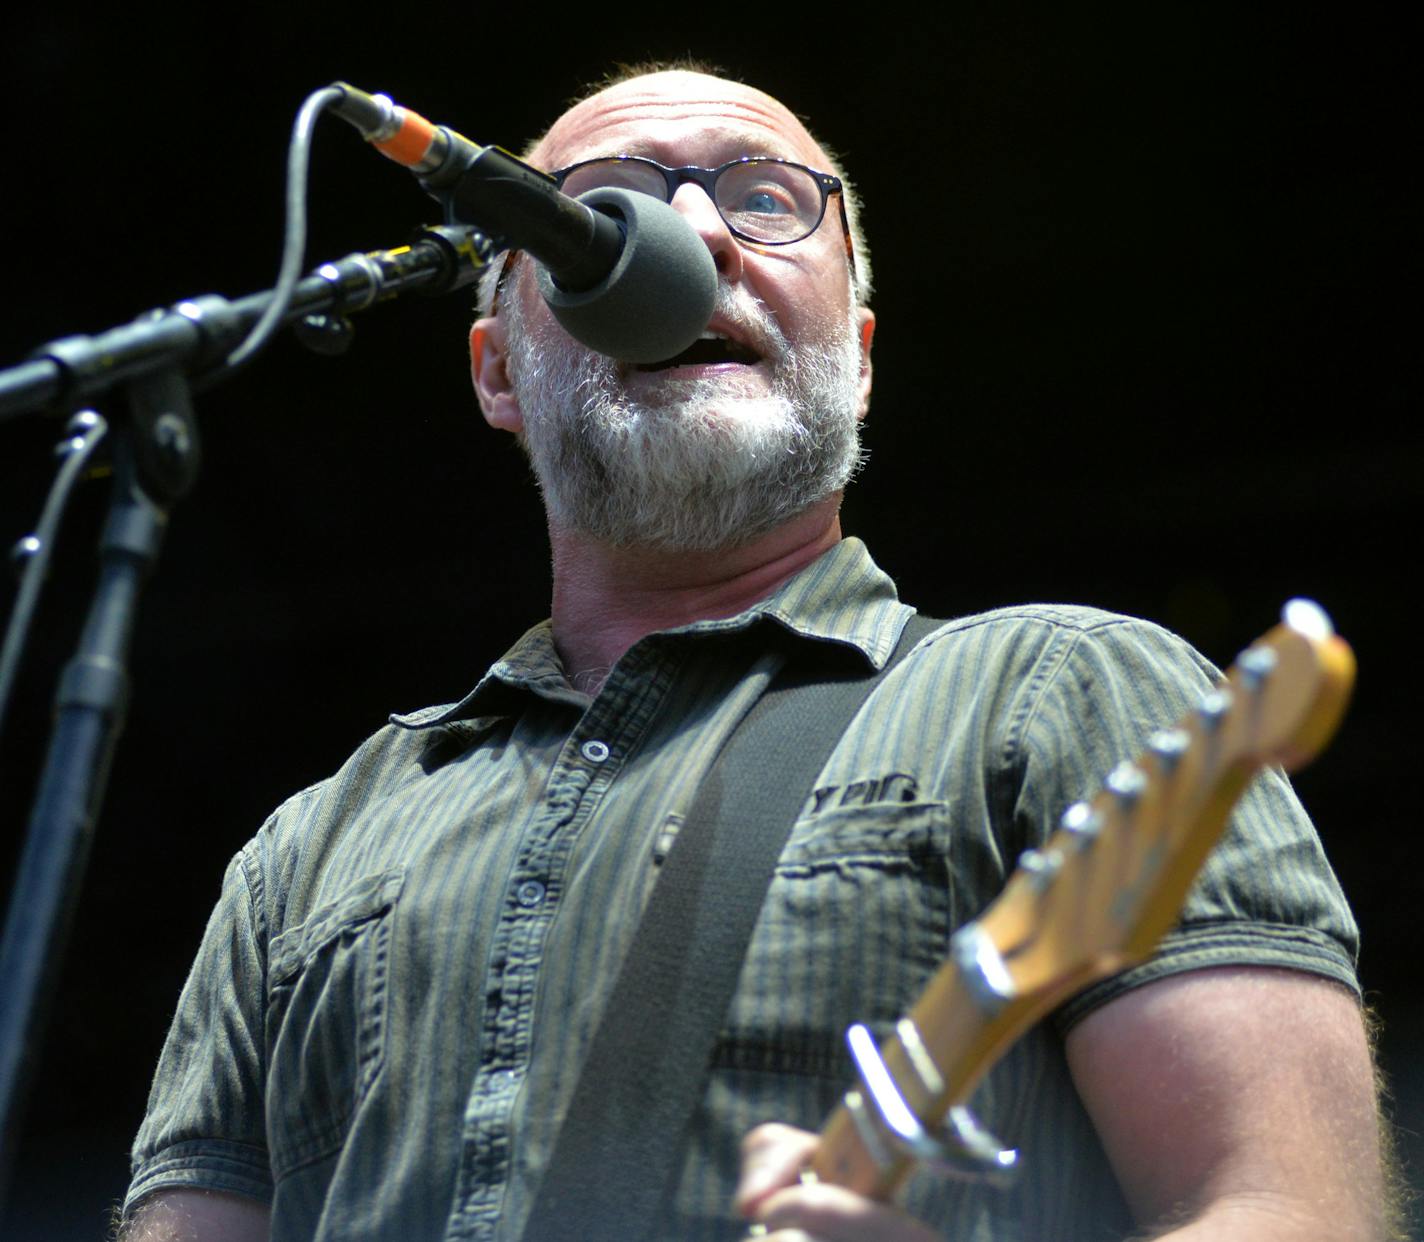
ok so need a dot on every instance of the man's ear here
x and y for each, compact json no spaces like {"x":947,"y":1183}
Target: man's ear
{"x":489,"y":368}
{"x":867,"y":332}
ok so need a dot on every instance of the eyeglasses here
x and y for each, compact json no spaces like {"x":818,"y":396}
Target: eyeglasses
{"x":762,"y":200}
{"x":766,"y":201}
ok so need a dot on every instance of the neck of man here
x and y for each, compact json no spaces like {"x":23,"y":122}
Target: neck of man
{"x":606,"y":598}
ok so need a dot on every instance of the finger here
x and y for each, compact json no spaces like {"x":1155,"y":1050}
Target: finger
{"x":833,"y":1214}
{"x":772,"y":1157}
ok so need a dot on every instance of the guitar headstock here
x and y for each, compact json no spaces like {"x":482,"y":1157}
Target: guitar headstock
{"x":1102,"y":890}
{"x":1107,"y":885}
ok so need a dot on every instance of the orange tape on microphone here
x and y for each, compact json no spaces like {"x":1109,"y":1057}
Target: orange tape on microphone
{"x":410,"y":142}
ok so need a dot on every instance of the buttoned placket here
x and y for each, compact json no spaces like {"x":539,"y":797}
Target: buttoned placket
{"x":587,"y":767}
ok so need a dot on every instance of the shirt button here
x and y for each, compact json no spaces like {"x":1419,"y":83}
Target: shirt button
{"x":594,"y":751}
{"x":530,"y":893}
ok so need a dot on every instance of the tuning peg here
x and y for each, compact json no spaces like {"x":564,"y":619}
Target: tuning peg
{"x":1214,"y":706}
{"x":1083,"y":822}
{"x":1256,"y":664}
{"x":982,"y":967}
{"x":1169,"y":745}
{"x":1128,"y":782}
{"x":1041,"y":866}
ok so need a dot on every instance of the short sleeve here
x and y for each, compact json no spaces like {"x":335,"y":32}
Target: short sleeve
{"x":1266,"y":895}
{"x":204,"y":1127}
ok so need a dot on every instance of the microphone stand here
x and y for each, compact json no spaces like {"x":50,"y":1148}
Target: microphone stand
{"x":156,"y":456}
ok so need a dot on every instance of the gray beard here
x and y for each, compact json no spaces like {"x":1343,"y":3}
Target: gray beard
{"x":697,"y":466}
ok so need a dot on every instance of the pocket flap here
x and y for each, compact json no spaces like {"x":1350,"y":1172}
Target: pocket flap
{"x":366,"y":899}
{"x":882,"y":833}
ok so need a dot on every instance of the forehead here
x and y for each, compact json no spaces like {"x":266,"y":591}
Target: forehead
{"x":679,"y":118}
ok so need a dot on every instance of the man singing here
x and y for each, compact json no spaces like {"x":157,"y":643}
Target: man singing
{"x":387,"y":1018}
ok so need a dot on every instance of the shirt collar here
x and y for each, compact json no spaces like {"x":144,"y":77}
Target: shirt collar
{"x":841,"y":602}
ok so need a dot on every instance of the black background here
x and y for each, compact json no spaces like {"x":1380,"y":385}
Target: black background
{"x":1146,"y":341}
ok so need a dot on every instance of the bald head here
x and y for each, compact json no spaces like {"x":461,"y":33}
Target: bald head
{"x":654,"y":107}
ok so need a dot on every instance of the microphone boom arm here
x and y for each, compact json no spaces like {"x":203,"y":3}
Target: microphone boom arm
{"x":194,"y":335}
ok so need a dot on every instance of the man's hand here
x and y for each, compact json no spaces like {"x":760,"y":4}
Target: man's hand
{"x":770,"y":1194}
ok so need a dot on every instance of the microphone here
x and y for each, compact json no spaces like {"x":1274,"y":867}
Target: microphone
{"x":621,"y":271}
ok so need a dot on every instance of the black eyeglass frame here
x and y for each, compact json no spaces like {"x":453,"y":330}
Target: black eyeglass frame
{"x":827,"y":183}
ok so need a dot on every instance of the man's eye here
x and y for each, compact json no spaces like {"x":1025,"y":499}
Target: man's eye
{"x":765,"y":201}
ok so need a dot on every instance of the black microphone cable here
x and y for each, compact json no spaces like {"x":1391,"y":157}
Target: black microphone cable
{"x":294,"y":240}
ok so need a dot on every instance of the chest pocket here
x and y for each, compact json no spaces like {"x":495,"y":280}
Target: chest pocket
{"x":857,"y":918}
{"x":326,"y":1020}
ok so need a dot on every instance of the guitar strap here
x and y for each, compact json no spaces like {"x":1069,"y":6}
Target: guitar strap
{"x":619,"y":1149}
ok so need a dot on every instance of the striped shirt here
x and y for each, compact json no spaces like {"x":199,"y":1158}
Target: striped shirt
{"x":386,"y":1018}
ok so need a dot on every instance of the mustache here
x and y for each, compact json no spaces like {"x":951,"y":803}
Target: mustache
{"x":749,"y":319}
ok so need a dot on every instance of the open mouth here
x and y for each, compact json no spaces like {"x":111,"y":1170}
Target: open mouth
{"x":708,"y":350}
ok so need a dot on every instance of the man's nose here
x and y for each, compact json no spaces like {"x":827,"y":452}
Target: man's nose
{"x":697,"y":208}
